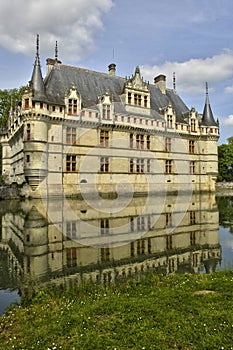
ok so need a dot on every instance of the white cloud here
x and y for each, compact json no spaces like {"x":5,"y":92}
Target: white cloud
{"x":228,"y":120}
{"x":229,"y":89}
{"x":72,"y":23}
{"x":192,"y":74}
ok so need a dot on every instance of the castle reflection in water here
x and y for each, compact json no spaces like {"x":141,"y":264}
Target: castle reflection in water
{"x":68,"y":241}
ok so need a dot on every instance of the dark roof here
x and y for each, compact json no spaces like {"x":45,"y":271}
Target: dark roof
{"x":207,"y":117}
{"x":91,"y":85}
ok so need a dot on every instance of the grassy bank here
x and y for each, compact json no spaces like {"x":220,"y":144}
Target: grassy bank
{"x":174,"y":312}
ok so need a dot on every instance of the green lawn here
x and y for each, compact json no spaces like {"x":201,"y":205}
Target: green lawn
{"x":153,"y":312}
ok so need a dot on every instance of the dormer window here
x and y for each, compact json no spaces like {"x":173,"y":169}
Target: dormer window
{"x":169,"y":121}
{"x":73,"y":101}
{"x":136,"y":92}
{"x":26,"y":103}
{"x":72,"y":108}
{"x":193,"y":125}
{"x":106,"y":111}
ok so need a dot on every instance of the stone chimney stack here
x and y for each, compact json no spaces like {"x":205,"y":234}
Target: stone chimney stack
{"x":50,"y":62}
{"x":160,"y":81}
{"x":112,"y":69}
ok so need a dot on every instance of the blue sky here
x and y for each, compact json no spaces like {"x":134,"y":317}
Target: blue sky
{"x":192,"y":38}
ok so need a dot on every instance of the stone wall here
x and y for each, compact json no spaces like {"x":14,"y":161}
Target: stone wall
{"x":9,"y":192}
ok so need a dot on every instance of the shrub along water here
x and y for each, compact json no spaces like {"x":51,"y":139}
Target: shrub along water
{"x":151,"y":312}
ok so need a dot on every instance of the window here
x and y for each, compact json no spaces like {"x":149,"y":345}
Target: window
{"x":105,"y":254}
{"x":132,"y":249}
{"x":131,"y":140}
{"x":104,"y":226}
{"x":145,"y":101}
{"x":192,"y":216}
{"x":104,"y":138}
{"x":168,"y":219}
{"x":148,"y":142}
{"x":140,"y":246}
{"x":54,"y":108}
{"x":169,"y":242}
{"x":129,"y":98}
{"x":33,"y":104}
{"x":140,"y":165}
{"x":149,"y":245}
{"x":169,"y":121}
{"x":132,"y":224}
{"x":168,"y":166}
{"x":191,"y":146}
{"x":70,"y":135}
{"x":26,"y":103}
{"x":60,"y":109}
{"x":71,"y":256}
{"x":192,"y":167}
{"x":140,"y":141}
{"x":104,"y":164}
{"x":193,"y":125}
{"x":28,"y":132}
{"x":71,"y":163}
{"x":148,"y":168}
{"x":71,"y":230}
{"x":27,"y":158}
{"x":106,"y":111}
{"x":131,"y":165}
{"x":168,"y":144}
{"x":41,"y":105}
{"x":73,"y":106}
{"x":192,"y":238}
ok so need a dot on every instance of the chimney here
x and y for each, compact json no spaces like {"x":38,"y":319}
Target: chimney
{"x":112,"y":69}
{"x":160,"y":81}
{"x":50,"y":62}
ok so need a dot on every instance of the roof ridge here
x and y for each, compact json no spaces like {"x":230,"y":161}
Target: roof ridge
{"x":91,"y":71}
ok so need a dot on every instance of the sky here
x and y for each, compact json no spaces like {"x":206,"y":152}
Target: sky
{"x":192,"y":38}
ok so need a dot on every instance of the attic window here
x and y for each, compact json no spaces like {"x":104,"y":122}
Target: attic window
{"x":72,"y":107}
{"x":26,"y":103}
{"x":169,"y":121}
{"x":193,"y":125}
{"x":106,"y":111}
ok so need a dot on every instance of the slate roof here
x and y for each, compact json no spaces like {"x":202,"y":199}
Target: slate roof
{"x":91,"y":85}
{"x":207,"y":117}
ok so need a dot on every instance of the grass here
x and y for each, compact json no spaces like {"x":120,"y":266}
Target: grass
{"x":174,"y":312}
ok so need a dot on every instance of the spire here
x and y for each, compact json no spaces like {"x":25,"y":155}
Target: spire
{"x":207,"y":117}
{"x":37,"y":79}
{"x":56,"y":52}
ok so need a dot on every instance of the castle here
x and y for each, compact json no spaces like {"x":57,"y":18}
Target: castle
{"x":79,"y":131}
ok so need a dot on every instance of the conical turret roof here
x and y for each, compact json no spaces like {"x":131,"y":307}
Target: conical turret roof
{"x":37,"y":81}
{"x":207,"y":117}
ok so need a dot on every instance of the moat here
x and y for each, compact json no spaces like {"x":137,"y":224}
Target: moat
{"x":67,"y":242}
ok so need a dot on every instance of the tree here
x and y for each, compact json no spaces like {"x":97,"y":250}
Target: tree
{"x":8,"y":99}
{"x":225,"y":161}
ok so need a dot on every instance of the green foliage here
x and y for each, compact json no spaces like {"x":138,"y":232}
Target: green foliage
{"x":225,"y":161}
{"x":225,"y":207}
{"x":8,"y":99}
{"x":173,"y":312}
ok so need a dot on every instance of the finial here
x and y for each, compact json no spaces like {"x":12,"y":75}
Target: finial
{"x":37,"y":45}
{"x":206,"y":87}
{"x":56,"y":52}
{"x":174,"y":80}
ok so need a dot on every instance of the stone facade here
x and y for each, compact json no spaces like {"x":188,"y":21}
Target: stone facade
{"x":80,"y":131}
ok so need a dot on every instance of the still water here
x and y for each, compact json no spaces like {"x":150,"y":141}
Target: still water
{"x":65,"y":242}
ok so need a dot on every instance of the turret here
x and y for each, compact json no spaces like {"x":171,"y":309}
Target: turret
{"x":37,"y":82}
{"x":207,"y":117}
